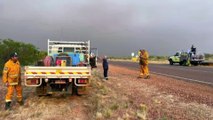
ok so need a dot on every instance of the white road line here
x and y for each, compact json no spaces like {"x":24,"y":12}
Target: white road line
{"x":174,"y":76}
{"x":182,"y":68}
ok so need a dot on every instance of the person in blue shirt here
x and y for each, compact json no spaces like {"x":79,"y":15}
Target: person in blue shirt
{"x":75,"y":59}
{"x":105,"y":67}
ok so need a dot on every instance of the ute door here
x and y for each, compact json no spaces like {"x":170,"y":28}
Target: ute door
{"x":177,"y":57}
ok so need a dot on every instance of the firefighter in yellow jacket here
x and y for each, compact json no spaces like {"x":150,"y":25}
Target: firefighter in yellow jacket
{"x":12,"y":79}
{"x":143,"y":62}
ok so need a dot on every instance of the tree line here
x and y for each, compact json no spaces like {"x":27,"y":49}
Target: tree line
{"x":28,"y":53}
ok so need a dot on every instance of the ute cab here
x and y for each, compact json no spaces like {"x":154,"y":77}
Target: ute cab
{"x":175,"y":58}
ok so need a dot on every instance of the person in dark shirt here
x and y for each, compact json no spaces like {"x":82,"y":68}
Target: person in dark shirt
{"x":105,"y":67}
{"x":193,"y":49}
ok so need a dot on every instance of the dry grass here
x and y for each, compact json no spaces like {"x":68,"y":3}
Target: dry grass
{"x":122,"y":97}
{"x":107,"y":104}
{"x":46,"y":108}
{"x":126,"y":97}
{"x":56,"y":107}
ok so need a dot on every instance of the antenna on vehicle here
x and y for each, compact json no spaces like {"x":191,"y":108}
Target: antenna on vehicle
{"x":61,"y":34}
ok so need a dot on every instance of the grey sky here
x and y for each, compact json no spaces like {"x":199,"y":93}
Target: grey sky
{"x":115,"y":27}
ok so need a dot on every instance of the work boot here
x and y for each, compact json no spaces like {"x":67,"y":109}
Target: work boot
{"x":147,"y":77}
{"x":139,"y":77}
{"x":77,"y":92}
{"x":7,"y":105}
{"x":21,"y":102}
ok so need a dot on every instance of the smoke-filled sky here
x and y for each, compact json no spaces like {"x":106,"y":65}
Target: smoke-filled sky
{"x":115,"y":27}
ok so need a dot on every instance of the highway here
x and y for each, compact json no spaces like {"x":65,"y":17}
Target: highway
{"x":199,"y":74}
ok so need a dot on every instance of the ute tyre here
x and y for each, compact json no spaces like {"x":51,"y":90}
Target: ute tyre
{"x":171,"y":62}
{"x":184,"y":62}
{"x":41,"y":90}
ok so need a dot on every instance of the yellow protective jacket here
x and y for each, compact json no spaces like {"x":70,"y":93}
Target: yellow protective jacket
{"x":12,"y":73}
{"x":144,"y":58}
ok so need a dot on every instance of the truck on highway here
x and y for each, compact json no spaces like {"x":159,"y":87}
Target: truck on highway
{"x":187,"y":58}
{"x":66,"y":68}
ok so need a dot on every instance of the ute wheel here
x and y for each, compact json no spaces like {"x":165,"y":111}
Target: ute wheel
{"x":181,"y":63}
{"x":41,"y":90}
{"x":195,"y":63}
{"x":184,"y":62}
{"x":171,"y":62}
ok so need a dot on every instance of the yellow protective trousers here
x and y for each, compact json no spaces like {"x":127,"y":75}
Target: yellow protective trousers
{"x":144,"y":70}
{"x":10,"y":90}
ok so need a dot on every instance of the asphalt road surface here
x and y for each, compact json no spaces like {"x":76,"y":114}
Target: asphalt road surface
{"x":199,"y":74}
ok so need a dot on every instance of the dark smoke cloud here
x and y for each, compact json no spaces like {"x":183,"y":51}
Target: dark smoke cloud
{"x":114,"y":27}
